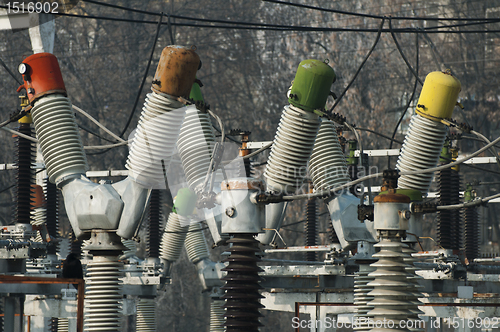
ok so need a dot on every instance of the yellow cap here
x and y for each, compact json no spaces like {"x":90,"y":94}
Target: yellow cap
{"x":25,"y":119}
{"x":439,"y":96}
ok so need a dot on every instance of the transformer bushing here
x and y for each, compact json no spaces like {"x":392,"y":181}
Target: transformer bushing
{"x":294,"y":140}
{"x":242,"y":220}
{"x":424,"y":141}
{"x":395,"y":295}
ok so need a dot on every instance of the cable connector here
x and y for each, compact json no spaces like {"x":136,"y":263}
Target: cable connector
{"x":462,"y":126}
{"x":266,"y":198}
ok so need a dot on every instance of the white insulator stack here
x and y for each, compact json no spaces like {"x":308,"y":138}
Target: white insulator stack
{"x":361,"y":297}
{"x":196,"y":244}
{"x":292,"y":147}
{"x":196,"y":143}
{"x":394,"y":294}
{"x":131,"y":246}
{"x":173,"y":237}
{"x":38,"y":219}
{"x":154,"y":141}
{"x":103,"y":294}
{"x":62,"y":325}
{"x":327,"y":166}
{"x":146,"y":315}
{"x":59,"y":138}
{"x":421,"y":150}
{"x":217,"y":313}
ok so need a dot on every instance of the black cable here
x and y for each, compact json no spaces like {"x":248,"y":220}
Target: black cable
{"x":376,"y":16}
{"x":95,"y":134}
{"x":10,"y":187}
{"x":337,"y":101}
{"x":301,"y":221}
{"x":226,"y":136}
{"x":407,"y":104}
{"x":144,"y":77}
{"x":191,"y":231}
{"x":379,"y":134}
{"x":402,"y":54}
{"x":10,"y":72}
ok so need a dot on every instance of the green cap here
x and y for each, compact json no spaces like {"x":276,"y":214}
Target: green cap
{"x":185,"y":202}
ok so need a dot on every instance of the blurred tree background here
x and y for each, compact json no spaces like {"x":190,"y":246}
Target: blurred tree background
{"x":246,"y":73}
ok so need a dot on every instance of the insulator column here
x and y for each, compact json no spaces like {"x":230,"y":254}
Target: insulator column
{"x":103,"y":283}
{"x":155,"y":215}
{"x":217,"y":314}
{"x":472,"y":226}
{"x":361,"y":297}
{"x":173,"y":239}
{"x":423,"y":143}
{"x":24,"y":174}
{"x":242,"y":285}
{"x":196,"y":244}
{"x":311,"y":227}
{"x":52,"y":213}
{"x":62,"y":325}
{"x":53,"y":324}
{"x":146,"y":315}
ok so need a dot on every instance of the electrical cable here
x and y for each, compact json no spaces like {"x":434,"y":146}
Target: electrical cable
{"x":379,"y":134}
{"x":377,"y":16}
{"x":29,"y":138}
{"x":303,"y":220}
{"x":88,"y":130}
{"x":408,"y":103}
{"x":479,"y":201}
{"x":10,"y":187}
{"x":332,"y":191}
{"x":337,"y":101}
{"x":88,"y":116}
{"x":402,"y":54}
{"x":144,"y":77}
{"x":492,"y":149}
{"x":108,"y":146}
{"x":227,"y":136}
{"x":10,"y":72}
{"x":256,"y":152}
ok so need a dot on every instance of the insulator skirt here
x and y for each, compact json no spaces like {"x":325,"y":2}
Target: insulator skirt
{"x":242,"y":285}
{"x":58,"y":136}
{"x":155,"y":216}
{"x":154,"y":141}
{"x":328,"y":167}
{"x":173,"y":237}
{"x":196,"y":143}
{"x":146,"y":315}
{"x":291,"y":150}
{"x":217,"y":313}
{"x":103,"y":294}
{"x":196,"y":244}
{"x":421,"y":149}
{"x":311,"y":228}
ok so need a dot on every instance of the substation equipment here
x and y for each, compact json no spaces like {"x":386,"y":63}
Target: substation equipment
{"x":373,"y":269}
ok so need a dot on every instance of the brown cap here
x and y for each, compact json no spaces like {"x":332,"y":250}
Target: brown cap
{"x":38,"y":196}
{"x":391,"y":197}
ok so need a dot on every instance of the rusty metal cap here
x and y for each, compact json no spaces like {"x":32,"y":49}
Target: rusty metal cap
{"x":38,"y":197}
{"x":391,"y":197}
{"x":242,"y":184}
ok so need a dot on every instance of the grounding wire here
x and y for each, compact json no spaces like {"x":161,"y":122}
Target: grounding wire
{"x":97,"y":123}
{"x":408,"y":103}
{"x":337,"y":101}
{"x":88,"y":130}
{"x":380,"y":134}
{"x":332,"y":191}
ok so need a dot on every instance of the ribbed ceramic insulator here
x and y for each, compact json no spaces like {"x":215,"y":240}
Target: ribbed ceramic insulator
{"x":155,"y":217}
{"x":395,"y":295}
{"x":311,"y":228}
{"x":242,"y":285}
{"x":146,"y":315}
{"x":361,"y":298}
{"x":103,"y":294}
{"x":24,"y":176}
{"x":291,"y":149}
{"x":62,"y":325}
{"x":449,"y":224}
{"x":53,"y":324}
{"x":421,"y":149}
{"x":154,"y":141}
{"x":58,"y":137}
{"x":328,"y":167}
{"x":472,"y":233}
{"x":37,"y":219}
{"x":196,"y":143}
{"x":52,"y":213}
{"x":196,"y":244}
{"x":131,"y":246}
{"x":173,"y":237}
{"x":217,"y":313}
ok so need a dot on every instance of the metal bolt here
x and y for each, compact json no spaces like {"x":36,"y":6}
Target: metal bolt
{"x":405,"y":214}
{"x":230,"y":211}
